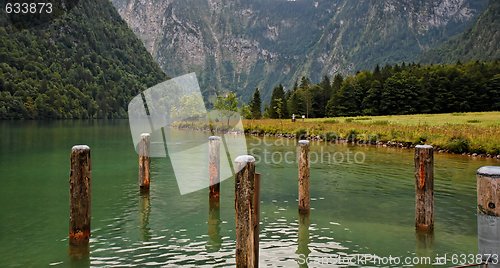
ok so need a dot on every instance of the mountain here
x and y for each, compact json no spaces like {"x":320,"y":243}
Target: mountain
{"x":479,"y":42}
{"x":78,"y":63}
{"x":239,"y":45}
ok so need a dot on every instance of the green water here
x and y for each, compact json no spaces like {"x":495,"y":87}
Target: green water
{"x":365,"y":208}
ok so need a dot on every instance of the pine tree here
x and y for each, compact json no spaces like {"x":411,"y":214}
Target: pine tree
{"x":255,"y":105}
{"x":278,"y":93}
{"x":326,"y":93}
{"x":304,"y":82}
{"x":336,"y":84}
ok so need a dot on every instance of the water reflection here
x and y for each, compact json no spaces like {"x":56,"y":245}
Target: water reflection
{"x":488,"y":235}
{"x":79,"y":255}
{"x":303,"y":240}
{"x":424,"y":244}
{"x":145,"y":210}
{"x":214,"y":238}
{"x":345,"y":220}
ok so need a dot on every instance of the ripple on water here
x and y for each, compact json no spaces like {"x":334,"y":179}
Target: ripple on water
{"x":346,"y":200}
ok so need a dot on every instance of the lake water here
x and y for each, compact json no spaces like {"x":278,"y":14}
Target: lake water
{"x":363,"y":207}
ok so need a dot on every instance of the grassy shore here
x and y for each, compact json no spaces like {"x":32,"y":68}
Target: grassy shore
{"x":457,"y":132}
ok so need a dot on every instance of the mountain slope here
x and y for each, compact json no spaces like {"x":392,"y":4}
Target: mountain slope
{"x":239,"y":45}
{"x":83,"y":64}
{"x":479,"y":42}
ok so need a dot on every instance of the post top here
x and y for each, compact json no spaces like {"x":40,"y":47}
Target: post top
{"x":143,"y":135}
{"x":80,"y":147}
{"x":304,"y":142}
{"x":490,"y":171}
{"x":244,"y":159}
{"x":425,"y":146}
{"x":214,"y":138}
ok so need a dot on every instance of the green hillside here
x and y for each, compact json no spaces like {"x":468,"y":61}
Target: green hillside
{"x":83,"y":64}
{"x":480,"y":42}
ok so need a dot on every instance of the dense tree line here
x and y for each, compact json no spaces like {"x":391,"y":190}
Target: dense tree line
{"x":84,"y":64}
{"x":394,"y":89}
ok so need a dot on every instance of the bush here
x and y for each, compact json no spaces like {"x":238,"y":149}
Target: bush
{"x":352,"y":135}
{"x":301,"y":134}
{"x":478,"y":150}
{"x":421,"y":139}
{"x":330,"y":136}
{"x":374,"y":138}
{"x":458,"y":144}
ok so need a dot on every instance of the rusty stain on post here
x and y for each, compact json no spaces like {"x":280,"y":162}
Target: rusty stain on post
{"x":144,"y":162}
{"x":80,"y":195}
{"x":488,"y":190}
{"x":246,"y":218}
{"x":304,"y":198}
{"x":424,"y":188}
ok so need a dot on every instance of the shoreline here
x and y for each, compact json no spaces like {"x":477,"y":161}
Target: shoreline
{"x":323,"y":138}
{"x":476,"y":134}
{"x":361,"y":142}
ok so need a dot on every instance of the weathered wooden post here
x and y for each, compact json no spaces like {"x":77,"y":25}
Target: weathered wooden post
{"x":424,"y":188}
{"x":144,"y":162}
{"x":488,"y":215}
{"x":214,"y":167}
{"x":246,"y":218}
{"x":304,"y":199}
{"x":80,"y":194}
{"x":257,"y":215}
{"x":215,"y":239}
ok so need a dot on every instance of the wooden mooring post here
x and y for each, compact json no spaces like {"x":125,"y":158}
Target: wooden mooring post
{"x":256,"y":202}
{"x":303,"y":157}
{"x":246,"y":217}
{"x":214,"y":237}
{"x":214,"y":168}
{"x":424,"y":188}
{"x":488,"y":212}
{"x":80,"y":194}
{"x":144,"y":162}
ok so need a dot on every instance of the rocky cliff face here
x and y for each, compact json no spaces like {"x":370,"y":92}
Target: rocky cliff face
{"x":239,"y":45}
{"x":481,"y":41}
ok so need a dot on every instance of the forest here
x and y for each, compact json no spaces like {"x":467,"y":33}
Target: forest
{"x":389,"y":90}
{"x":88,"y":64}
{"x":85,"y":64}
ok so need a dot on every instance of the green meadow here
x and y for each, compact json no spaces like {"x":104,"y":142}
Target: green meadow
{"x":477,"y":132}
